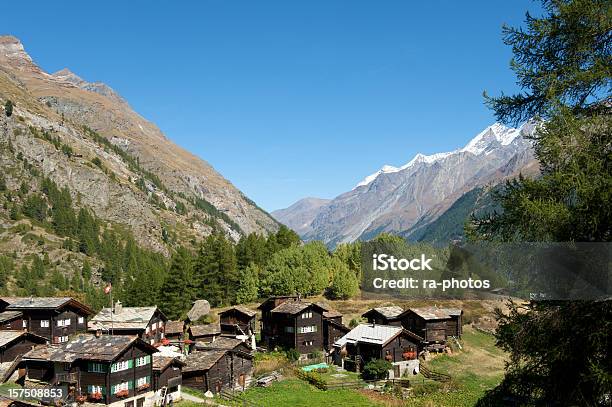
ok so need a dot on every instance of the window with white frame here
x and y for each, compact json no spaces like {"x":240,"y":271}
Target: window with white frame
{"x":119,"y":366}
{"x":63,"y":339}
{"x":96,"y":368}
{"x":143,"y":360}
{"x":67,"y":322}
{"x":141,"y":381}
{"x":307,"y":314}
{"x":24,"y":323}
{"x":44,"y":323}
{"x":92,"y":389}
{"x":120,"y":387}
{"x":308,"y":343}
{"x":307,"y":329}
{"x":81,"y":320}
{"x":60,"y":322}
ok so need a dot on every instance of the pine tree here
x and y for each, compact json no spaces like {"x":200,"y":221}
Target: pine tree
{"x":345,"y":284}
{"x":175,"y":295}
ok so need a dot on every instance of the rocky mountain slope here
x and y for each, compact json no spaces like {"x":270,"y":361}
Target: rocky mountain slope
{"x":403,"y":199}
{"x":300,"y":215}
{"x":86,"y":137}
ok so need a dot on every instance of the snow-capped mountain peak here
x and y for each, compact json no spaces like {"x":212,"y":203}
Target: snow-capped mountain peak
{"x":488,"y":139}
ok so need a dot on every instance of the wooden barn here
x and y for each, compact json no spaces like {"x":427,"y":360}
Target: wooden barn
{"x":11,"y":320}
{"x":368,"y":342}
{"x":106,"y":369}
{"x":218,"y":369}
{"x":53,"y":318}
{"x":175,"y":332}
{"x":433,"y":324}
{"x":237,"y":321}
{"x":167,"y":372}
{"x":293,"y":324}
{"x":148,"y":323}
{"x":384,"y":315}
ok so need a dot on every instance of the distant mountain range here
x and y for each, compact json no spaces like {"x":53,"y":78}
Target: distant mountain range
{"x":408,"y":200}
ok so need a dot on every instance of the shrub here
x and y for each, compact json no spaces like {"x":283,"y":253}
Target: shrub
{"x":293,"y":355}
{"x":377,"y":369}
{"x":8,"y":108}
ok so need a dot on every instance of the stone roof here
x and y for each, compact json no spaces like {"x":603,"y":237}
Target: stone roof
{"x":389,"y":312}
{"x":432,"y":313}
{"x":240,"y":309}
{"x":9,"y":315}
{"x":332,"y":314}
{"x":199,"y":309}
{"x":202,"y":360}
{"x":7,"y":337}
{"x":85,"y":347}
{"x":222,"y":342}
{"x":161,"y":362}
{"x":174,"y":327}
{"x":204,"y":330}
{"x":295,"y":307}
{"x":127,"y":318}
{"x":370,"y":333}
{"x":18,"y":303}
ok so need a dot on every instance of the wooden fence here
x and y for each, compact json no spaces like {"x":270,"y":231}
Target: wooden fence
{"x":433,"y":375}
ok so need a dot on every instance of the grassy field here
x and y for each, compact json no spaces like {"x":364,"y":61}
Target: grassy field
{"x":474,"y":369}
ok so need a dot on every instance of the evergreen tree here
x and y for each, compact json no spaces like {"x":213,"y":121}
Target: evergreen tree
{"x":175,"y":296}
{"x":35,"y":207}
{"x":88,"y":231}
{"x":8,"y":108}
{"x":559,"y":351}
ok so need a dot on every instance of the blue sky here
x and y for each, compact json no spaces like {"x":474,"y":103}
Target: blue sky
{"x":288,"y":99}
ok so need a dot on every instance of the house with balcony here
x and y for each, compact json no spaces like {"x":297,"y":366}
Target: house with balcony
{"x":435,"y":325}
{"x":147,"y":323}
{"x":113,"y":370}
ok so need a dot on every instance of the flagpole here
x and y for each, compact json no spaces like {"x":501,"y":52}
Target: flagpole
{"x":111,"y":308}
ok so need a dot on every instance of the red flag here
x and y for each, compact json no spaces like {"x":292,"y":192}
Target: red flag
{"x":108,"y":288}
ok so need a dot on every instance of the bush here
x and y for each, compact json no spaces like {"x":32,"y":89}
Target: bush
{"x":377,"y":369}
{"x":8,"y":108}
{"x":293,"y":355}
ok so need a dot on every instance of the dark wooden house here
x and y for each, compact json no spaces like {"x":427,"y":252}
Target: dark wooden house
{"x":148,"y":323}
{"x":333,"y":329}
{"x":433,"y":324}
{"x":237,"y":321}
{"x":368,"y":342}
{"x":175,"y":332}
{"x":17,"y":343}
{"x":53,"y":318}
{"x":167,"y":372}
{"x":218,"y":369}
{"x":11,"y":320}
{"x":106,"y":369}
{"x":384,"y":315}
{"x":293,"y":324}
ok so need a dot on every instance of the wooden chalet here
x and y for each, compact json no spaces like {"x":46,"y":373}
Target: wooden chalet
{"x":110,"y":369}
{"x":148,"y":323}
{"x":368,"y":342}
{"x":53,"y":318}
{"x":237,"y":321}
{"x":434,"y":324}
{"x":215,"y":370}
{"x":333,"y":329}
{"x":384,"y":315}
{"x":167,"y":373}
{"x":290,"y":323}
{"x":11,"y":320}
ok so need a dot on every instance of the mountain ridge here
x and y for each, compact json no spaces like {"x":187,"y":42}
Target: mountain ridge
{"x":396,"y":199}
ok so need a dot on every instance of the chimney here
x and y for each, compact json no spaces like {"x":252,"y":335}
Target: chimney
{"x":118,"y":307}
